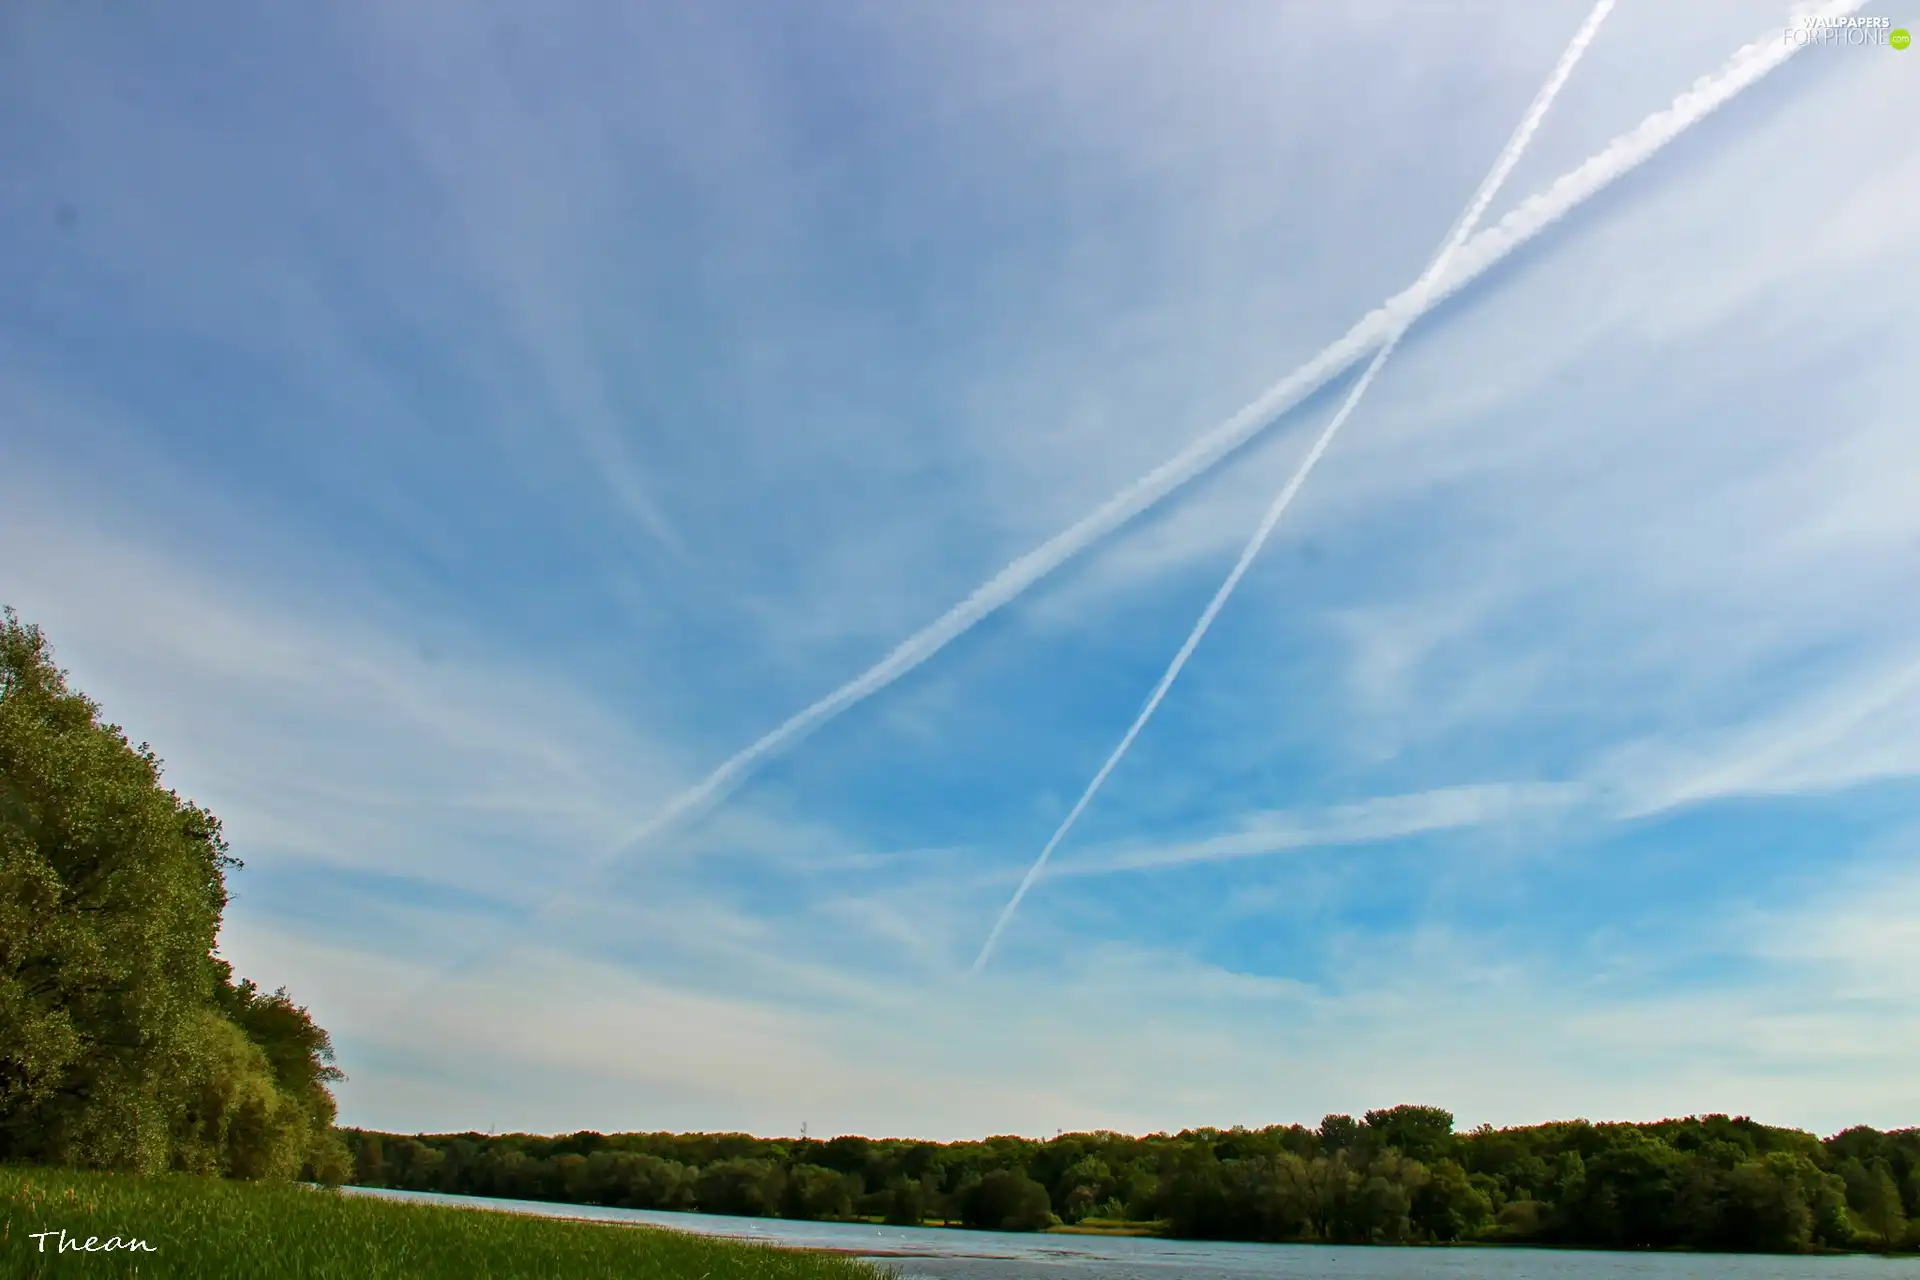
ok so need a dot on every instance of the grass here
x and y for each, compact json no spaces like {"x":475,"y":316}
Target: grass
{"x":215,"y":1230}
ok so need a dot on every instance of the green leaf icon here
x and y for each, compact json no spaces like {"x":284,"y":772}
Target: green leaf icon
{"x":1899,"y":38}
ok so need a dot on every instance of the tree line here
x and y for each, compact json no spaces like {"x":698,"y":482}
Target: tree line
{"x":125,"y":1041}
{"x":1398,"y":1175}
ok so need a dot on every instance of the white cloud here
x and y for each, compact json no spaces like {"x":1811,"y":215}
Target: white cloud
{"x":1861,"y":728}
{"x":1380,"y":818}
{"x":1856,"y":935}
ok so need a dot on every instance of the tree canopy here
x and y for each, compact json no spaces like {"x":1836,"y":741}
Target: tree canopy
{"x":125,"y":1042}
{"x":1398,"y":1175}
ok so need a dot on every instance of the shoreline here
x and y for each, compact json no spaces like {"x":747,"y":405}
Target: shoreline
{"x":489,"y":1204}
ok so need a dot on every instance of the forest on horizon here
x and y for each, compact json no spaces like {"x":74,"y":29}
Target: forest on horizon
{"x":1400,"y":1175}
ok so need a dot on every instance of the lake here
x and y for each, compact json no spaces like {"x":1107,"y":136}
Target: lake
{"x":933,"y":1253}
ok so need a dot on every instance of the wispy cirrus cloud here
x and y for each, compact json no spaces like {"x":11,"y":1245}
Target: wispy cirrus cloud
{"x":1378,"y":819}
{"x":1861,"y":728}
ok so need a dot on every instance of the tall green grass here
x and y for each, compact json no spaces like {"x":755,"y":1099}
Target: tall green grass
{"x":212,"y":1230}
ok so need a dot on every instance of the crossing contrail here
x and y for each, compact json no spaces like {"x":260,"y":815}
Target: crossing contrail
{"x":1476,"y":257}
{"x":1463,"y":227}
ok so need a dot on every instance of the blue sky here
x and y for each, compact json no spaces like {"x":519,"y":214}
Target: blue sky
{"x":447,"y":436}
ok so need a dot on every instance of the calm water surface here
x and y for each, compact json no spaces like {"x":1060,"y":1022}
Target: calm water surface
{"x":931,"y":1253}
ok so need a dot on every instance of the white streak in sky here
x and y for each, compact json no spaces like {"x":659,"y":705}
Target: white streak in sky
{"x":1462,"y":228}
{"x":1625,"y":153}
{"x":1374,"y":820}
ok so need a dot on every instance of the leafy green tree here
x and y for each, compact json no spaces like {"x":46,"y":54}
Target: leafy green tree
{"x":1765,"y":1208}
{"x":569,"y":1179}
{"x":1274,"y":1195}
{"x":650,"y":1182}
{"x":110,"y":896}
{"x":1333,"y":1182}
{"x":1269,"y":1196}
{"x":1382,"y":1210}
{"x":1526,"y":1177}
{"x":116,"y":1047}
{"x":417,"y":1166}
{"x":1339,"y":1133}
{"x":1084,"y":1183}
{"x":1827,"y":1199}
{"x":369,"y":1161}
{"x":236,"y":1122}
{"x":1883,"y":1211}
{"x":123,"y":1042}
{"x":1007,"y":1200}
{"x":1520,"y":1221}
{"x":814,"y":1191}
{"x":1450,"y":1207}
{"x":1423,"y":1133}
{"x":908,"y":1202}
{"x":1569,"y":1180}
{"x":1632,"y":1188}
{"x":848,"y":1153}
{"x":300,"y":1055}
{"x":742,"y":1187}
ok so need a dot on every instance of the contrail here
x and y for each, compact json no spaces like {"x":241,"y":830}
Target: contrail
{"x":1463,"y":227}
{"x":1625,"y":153}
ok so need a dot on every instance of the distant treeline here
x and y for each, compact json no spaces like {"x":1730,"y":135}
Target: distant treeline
{"x":125,"y":1042}
{"x":1400,"y":1175}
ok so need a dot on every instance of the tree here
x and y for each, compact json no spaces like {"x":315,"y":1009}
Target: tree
{"x":641,"y":1181}
{"x":1449,"y":1206}
{"x":1082,"y":1185}
{"x":742,"y":1187}
{"x":1827,"y":1200}
{"x":1521,"y":1220}
{"x":123,"y":1042}
{"x":369,"y":1161}
{"x":1339,"y":1133}
{"x":1631,"y":1192}
{"x":814,"y":1191}
{"x":1423,"y":1133}
{"x":110,"y":897}
{"x":1332,"y":1183}
{"x":907,"y":1202}
{"x":300,"y":1055}
{"x":1382,"y":1208}
{"x":1006,"y":1200}
{"x":416,"y":1166}
{"x":236,"y":1122}
{"x":1765,"y":1207}
{"x":845,"y":1154}
{"x":1883,"y":1211}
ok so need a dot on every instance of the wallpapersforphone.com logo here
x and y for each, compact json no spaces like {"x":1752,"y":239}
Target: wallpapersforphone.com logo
{"x":1858,"y":31}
